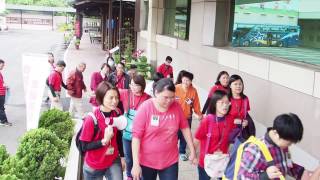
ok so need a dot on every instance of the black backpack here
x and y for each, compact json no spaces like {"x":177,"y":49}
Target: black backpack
{"x":95,"y":131}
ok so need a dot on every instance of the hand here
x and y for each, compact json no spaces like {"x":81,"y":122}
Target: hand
{"x":123,"y":163}
{"x":93,"y":94}
{"x":85,"y":90}
{"x":237,"y":121}
{"x":245,"y":123}
{"x":55,"y":99}
{"x":306,"y":175}
{"x":273,"y":172}
{"x":136,"y":172}
{"x":193,"y":158}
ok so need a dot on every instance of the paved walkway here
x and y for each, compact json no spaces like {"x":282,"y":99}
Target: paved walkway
{"x":93,"y":56}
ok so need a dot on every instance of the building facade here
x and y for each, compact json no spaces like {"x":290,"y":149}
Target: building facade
{"x":197,"y":35}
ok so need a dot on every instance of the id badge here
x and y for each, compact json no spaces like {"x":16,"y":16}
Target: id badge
{"x":189,"y":101}
{"x":110,"y":150}
{"x":155,"y":120}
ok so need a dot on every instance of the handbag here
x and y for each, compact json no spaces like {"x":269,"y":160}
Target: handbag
{"x":216,"y":163}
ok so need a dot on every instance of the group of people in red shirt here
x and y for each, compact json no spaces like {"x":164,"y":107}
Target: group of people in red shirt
{"x":147,"y":147}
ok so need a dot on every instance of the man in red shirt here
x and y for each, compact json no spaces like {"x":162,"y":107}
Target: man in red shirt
{"x":166,"y":69}
{"x":75,"y":86}
{"x":55,"y":82}
{"x":3,"y":88}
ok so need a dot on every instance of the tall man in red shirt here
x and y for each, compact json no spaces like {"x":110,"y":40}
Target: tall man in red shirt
{"x":75,"y":86}
{"x":166,"y":69}
{"x":55,"y":82}
{"x":3,"y":88}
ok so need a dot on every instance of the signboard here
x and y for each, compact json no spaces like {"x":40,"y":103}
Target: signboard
{"x":35,"y":70}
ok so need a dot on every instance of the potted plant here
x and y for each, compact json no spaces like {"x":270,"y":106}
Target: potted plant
{"x":77,"y":43}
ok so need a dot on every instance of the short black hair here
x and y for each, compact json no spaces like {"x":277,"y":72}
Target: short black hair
{"x":188,"y":75}
{"x":50,"y":53}
{"x":1,"y":61}
{"x":103,"y":65}
{"x":289,"y":127}
{"x":219,"y":76}
{"x":157,"y":76}
{"x":169,"y":58}
{"x":217,"y":95}
{"x":164,"y":84}
{"x":122,"y":64}
{"x":179,"y":77}
{"x":61,"y":63}
{"x":139,"y":80}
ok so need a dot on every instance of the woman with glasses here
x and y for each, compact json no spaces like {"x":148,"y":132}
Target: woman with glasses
{"x":154,"y":135}
{"x":239,"y":107}
{"x":131,"y":99}
{"x":216,"y":126}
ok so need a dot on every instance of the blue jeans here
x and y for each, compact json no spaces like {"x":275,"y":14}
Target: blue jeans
{"x":202,"y":174}
{"x":169,"y":173}
{"x":127,"y":149}
{"x":183,"y":143}
{"x":114,"y":172}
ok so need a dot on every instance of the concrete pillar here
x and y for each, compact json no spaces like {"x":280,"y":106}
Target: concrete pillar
{"x":152,"y":31}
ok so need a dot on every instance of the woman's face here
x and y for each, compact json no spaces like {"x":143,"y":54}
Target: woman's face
{"x":236,"y":87}
{"x":111,"y":99}
{"x":224,"y":80}
{"x":165,"y":98}
{"x":135,"y":88}
{"x":222,"y":106}
{"x":105,"y":70}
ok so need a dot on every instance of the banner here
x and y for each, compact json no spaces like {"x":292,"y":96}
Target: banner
{"x":35,"y":70}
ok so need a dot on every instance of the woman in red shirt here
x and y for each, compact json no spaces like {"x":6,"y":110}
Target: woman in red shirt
{"x":239,"y":106}
{"x":218,"y":120}
{"x":103,"y":150}
{"x":220,"y":84}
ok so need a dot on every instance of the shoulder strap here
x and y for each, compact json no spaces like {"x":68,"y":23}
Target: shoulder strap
{"x":262,"y":146}
{"x":209,"y":134}
{"x":95,"y":122}
{"x":245,"y":103}
{"x":128,"y":99}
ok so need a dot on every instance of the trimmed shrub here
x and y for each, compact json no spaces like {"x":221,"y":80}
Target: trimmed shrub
{"x":8,"y":177}
{"x":59,"y":122}
{"x":38,"y":156}
{"x":3,"y":155}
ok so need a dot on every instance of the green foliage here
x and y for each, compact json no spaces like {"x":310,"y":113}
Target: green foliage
{"x":8,"y":177}
{"x":58,"y":122}
{"x":3,"y":155}
{"x":51,"y":3}
{"x":38,"y":156}
{"x":143,"y":67}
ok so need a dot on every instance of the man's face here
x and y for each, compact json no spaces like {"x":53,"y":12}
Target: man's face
{"x":82,"y":67}
{"x":167,"y":62}
{"x":1,"y":66}
{"x":120,"y":69}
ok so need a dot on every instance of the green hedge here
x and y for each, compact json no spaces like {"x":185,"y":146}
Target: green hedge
{"x":59,"y":122}
{"x":38,"y":156}
{"x":3,"y":156}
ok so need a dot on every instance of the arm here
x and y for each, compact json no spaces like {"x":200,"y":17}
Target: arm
{"x":136,"y":168}
{"x":196,"y":106}
{"x":119,"y":143}
{"x":90,"y":145}
{"x":70,"y":81}
{"x":188,"y":137}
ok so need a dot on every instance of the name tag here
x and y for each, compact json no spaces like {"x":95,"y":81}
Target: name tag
{"x":155,"y":120}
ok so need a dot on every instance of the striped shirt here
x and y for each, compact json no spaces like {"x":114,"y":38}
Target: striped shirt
{"x":253,"y":164}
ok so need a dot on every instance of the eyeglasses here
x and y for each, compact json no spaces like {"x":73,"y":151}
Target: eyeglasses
{"x":224,"y":103}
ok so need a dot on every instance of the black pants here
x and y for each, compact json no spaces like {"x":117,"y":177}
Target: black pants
{"x":3,"y":116}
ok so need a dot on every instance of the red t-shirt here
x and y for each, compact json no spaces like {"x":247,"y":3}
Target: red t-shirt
{"x":220,"y":129}
{"x":239,"y":108}
{"x":158,"y":139}
{"x":120,"y":81}
{"x":217,"y":87}
{"x":165,"y":70}
{"x":55,"y":80}
{"x":97,"y":158}
{"x":2,"y":88}
{"x":135,"y":101}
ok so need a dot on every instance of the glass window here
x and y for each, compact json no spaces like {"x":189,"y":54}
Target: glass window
{"x":288,"y":29}
{"x":177,"y":18}
{"x":144,"y":14}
